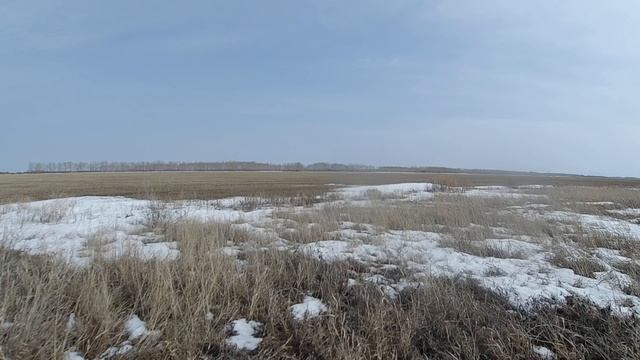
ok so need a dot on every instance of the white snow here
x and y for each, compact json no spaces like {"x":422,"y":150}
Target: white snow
{"x":626,"y":212}
{"x":73,"y":355}
{"x":595,"y":223}
{"x":244,"y":335}
{"x":544,"y":353}
{"x":209,"y":316}
{"x":399,"y":190}
{"x":72,"y":322}
{"x":67,"y":228}
{"x":117,"y":351}
{"x":76,"y":228}
{"x":609,"y":256}
{"x":137,"y":329}
{"x":522,"y":280}
{"x":497,"y":191}
{"x":535,"y":187}
{"x":6,"y":325}
{"x":309,"y":308}
{"x":386,"y":286}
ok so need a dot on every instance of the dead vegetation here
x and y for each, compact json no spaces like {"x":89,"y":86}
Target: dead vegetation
{"x":480,"y":248}
{"x":581,"y":264}
{"x":440,"y":319}
{"x":216,"y":185}
{"x":465,"y":218}
{"x":586,"y":199}
{"x":598,"y":239}
{"x":38,"y":294}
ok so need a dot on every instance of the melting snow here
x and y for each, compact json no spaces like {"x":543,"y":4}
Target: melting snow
{"x":309,"y":308}
{"x":522,"y":280}
{"x":244,"y":335}
{"x":73,"y":355}
{"x":596,"y":223}
{"x":137,"y":329}
{"x":6,"y":325}
{"x":116,"y":351}
{"x":357,"y":192}
{"x":67,"y":226}
{"x":626,"y":212}
{"x":498,"y":191}
{"x":72,"y":322}
{"x":209,"y":316}
{"x":72,"y":227}
{"x":544,"y":353}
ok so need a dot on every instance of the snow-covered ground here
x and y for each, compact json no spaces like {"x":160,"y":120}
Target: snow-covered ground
{"x":77,"y":228}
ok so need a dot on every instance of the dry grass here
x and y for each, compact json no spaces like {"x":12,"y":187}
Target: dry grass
{"x":627,"y":246}
{"x":581,"y":264}
{"x":593,"y":200}
{"x":631,"y":268}
{"x":442,"y":319}
{"x":38,"y":294}
{"x":480,"y":248}
{"x":465,"y":218}
{"x":215,"y":185}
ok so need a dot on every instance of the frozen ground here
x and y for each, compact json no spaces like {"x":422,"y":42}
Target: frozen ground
{"x":77,"y":229}
{"x":74,"y":228}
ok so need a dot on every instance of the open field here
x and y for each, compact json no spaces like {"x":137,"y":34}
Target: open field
{"x":216,"y":185}
{"x":318,"y":265}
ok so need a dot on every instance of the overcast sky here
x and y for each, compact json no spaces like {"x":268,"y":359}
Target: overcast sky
{"x":542,"y":86}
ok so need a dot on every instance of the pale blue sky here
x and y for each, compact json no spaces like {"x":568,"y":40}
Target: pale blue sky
{"x":542,"y":86}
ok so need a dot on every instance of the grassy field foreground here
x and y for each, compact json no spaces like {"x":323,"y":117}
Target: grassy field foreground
{"x":386,"y":294}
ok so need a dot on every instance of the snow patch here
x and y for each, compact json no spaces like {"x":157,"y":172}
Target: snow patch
{"x":76,"y":229}
{"x":499,"y":192}
{"x":544,"y":352}
{"x":595,"y":223}
{"x":6,"y":325}
{"x":208,"y":317}
{"x":117,"y":351}
{"x":137,"y":329}
{"x":73,"y":355}
{"x":523,"y":281}
{"x":626,"y":212}
{"x":72,"y":323}
{"x":309,"y":308}
{"x":398,"y":190}
{"x":244,"y":335}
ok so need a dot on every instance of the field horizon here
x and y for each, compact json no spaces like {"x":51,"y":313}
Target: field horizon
{"x":488,"y":207}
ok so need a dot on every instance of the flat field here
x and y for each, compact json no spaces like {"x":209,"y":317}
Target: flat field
{"x":216,"y":185}
{"x":318,"y":265}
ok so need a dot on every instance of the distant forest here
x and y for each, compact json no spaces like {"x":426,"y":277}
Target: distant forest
{"x":108,"y":166}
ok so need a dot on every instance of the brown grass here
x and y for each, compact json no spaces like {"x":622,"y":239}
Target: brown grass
{"x":214,"y":185}
{"x":589,"y":239}
{"x":581,"y":264}
{"x":38,"y":294}
{"x":580,"y":197}
{"x":465,"y":218}
{"x":442,"y":319}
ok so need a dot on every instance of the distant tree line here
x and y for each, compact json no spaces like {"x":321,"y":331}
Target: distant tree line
{"x":107,"y":166}
{"x":111,"y":166}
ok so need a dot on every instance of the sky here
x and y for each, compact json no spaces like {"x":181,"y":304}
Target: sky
{"x":547,"y":86}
